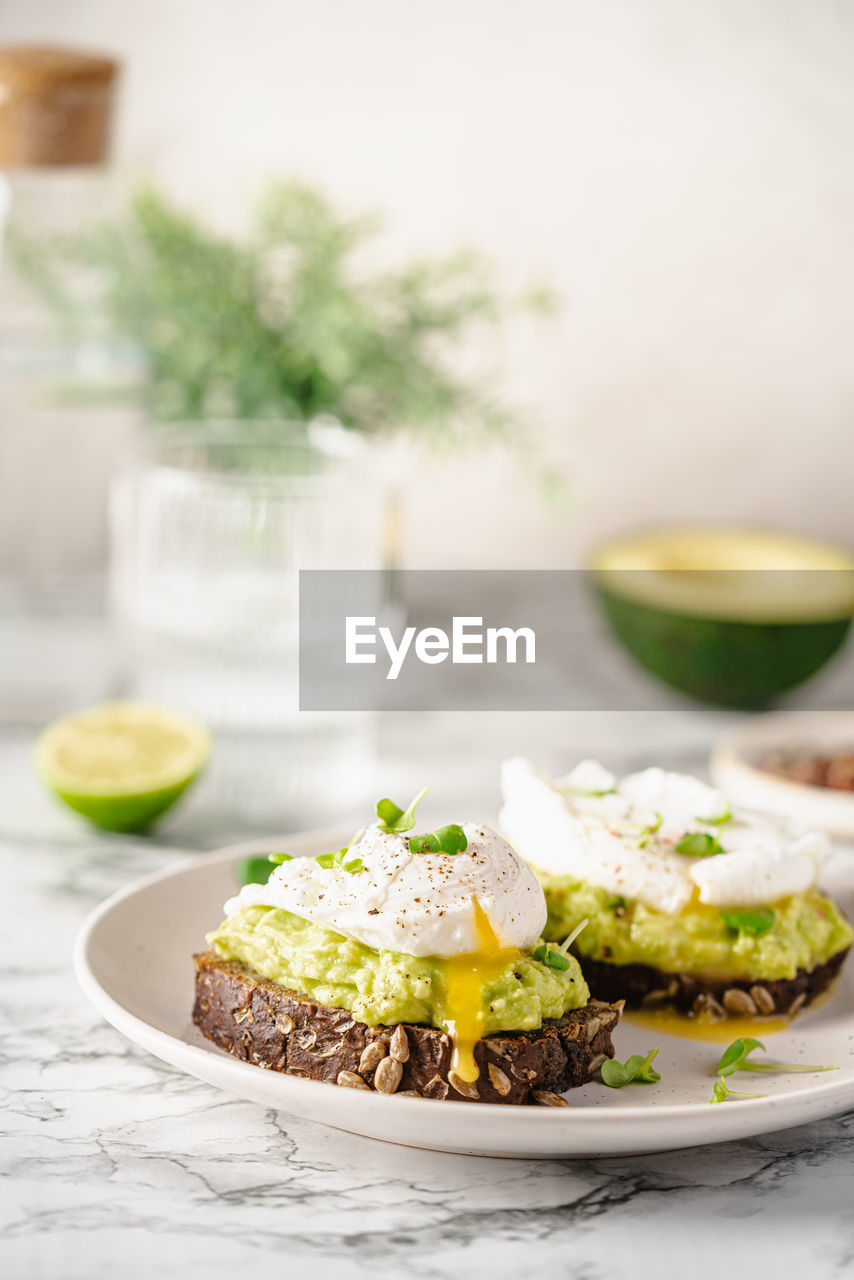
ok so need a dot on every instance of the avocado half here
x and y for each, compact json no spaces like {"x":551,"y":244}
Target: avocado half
{"x":731,"y":617}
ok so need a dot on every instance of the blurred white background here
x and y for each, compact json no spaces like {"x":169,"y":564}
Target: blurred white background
{"x":680,"y":174}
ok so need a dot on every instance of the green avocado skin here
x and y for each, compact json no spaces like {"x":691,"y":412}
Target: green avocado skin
{"x":124,"y":813}
{"x":725,"y":663}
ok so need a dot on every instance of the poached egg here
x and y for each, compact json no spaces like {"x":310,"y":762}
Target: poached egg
{"x":622,"y":835}
{"x":472,"y":911}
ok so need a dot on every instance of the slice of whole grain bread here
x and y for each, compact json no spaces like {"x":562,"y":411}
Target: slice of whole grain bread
{"x":640,"y":985}
{"x":266,"y":1024}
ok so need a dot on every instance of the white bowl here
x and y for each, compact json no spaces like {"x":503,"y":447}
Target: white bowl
{"x":736,"y":759}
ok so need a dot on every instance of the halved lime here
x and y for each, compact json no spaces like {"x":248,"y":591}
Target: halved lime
{"x":122,"y":764}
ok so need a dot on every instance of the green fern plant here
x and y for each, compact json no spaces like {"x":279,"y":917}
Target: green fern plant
{"x":289,"y":323}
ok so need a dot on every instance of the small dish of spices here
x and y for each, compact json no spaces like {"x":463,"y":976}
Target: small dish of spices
{"x":797,"y":763}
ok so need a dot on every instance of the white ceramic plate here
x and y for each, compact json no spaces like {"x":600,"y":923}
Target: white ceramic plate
{"x":736,"y":759}
{"x":133,"y":960}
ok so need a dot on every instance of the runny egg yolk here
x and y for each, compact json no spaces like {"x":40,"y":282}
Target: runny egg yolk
{"x":466,"y":979}
{"x":667,"y":1022}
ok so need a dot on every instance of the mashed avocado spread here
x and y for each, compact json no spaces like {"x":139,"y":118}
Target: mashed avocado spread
{"x":808,"y":929}
{"x":386,"y":986}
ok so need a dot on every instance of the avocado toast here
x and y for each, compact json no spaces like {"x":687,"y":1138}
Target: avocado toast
{"x":688,"y":902}
{"x":403,"y":964}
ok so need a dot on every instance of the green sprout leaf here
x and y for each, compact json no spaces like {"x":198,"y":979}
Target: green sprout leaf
{"x":646,"y":1072}
{"x":736,"y":1057}
{"x":615,"y":1074}
{"x":388,"y":813}
{"x":255,"y":869}
{"x":338,"y":858}
{"x":355,"y":864}
{"x":647,"y":832}
{"x":636,"y":1068}
{"x":552,"y":956}
{"x":734,"y":1054}
{"x":752,"y":921}
{"x":558,"y":957}
{"x":396,"y":820}
{"x":699,"y":844}
{"x":721,"y":1092}
{"x":452,"y":839}
{"x":424,"y":844}
{"x":718,"y":820}
{"x":280,"y":857}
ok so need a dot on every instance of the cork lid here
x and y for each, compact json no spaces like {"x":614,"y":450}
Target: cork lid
{"x":55,"y":106}
{"x":34,"y":68}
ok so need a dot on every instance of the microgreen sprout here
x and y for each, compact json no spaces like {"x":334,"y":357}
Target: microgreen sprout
{"x":424,"y":844}
{"x":735,"y":1054}
{"x":338,"y":857}
{"x":257,"y":868}
{"x":698,"y":844}
{"x":558,"y":957}
{"x":450,"y":839}
{"x":570,"y":937}
{"x":552,"y":956}
{"x":736,"y":1057}
{"x":718,"y":820}
{"x":751,"y":921}
{"x":647,"y":832}
{"x":253,"y":870}
{"x":396,"y":820}
{"x":721,"y":1092}
{"x":637,"y":1068}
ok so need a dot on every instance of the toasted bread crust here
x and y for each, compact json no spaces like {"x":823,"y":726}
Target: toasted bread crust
{"x":264,"y":1023}
{"x":640,"y":985}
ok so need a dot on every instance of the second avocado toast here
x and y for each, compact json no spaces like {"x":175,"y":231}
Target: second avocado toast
{"x":687,"y":901}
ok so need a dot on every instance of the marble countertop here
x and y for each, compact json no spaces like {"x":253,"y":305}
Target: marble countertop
{"x":114,"y":1163}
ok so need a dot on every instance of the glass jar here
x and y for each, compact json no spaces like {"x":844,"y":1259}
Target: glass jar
{"x":208,"y":536}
